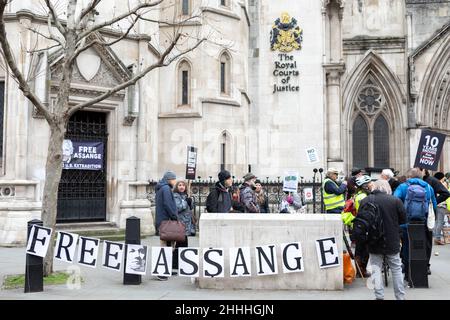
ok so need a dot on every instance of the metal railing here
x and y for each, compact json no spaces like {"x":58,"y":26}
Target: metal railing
{"x":200,"y":188}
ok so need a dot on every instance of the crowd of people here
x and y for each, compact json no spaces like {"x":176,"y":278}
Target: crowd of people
{"x":398,"y":200}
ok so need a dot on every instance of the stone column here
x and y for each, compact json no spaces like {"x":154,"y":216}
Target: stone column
{"x":334,"y":115}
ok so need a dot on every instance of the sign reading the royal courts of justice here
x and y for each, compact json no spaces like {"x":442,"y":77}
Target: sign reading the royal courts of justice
{"x":286,"y":36}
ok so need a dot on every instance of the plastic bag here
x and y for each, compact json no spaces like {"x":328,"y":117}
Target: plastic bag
{"x":349,"y":270}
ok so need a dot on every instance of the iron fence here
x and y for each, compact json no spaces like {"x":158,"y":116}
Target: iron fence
{"x":200,"y":188}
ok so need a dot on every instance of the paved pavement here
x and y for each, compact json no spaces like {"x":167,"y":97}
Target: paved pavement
{"x":104,"y":284}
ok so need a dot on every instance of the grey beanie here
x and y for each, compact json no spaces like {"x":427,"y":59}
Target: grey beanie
{"x":170,"y":175}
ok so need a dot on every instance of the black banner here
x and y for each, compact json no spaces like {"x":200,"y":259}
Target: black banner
{"x":191,"y":164}
{"x":429,"y":150}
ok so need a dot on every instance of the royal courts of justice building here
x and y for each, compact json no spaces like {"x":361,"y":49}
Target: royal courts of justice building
{"x":356,"y":80}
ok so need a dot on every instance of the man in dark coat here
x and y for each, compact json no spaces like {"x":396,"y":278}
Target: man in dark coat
{"x":393,"y":214}
{"x":441,"y":193}
{"x":166,"y":208}
{"x":219,"y":198}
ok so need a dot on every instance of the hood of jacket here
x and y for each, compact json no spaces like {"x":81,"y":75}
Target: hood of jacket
{"x":417,"y":181}
{"x":161,"y":184}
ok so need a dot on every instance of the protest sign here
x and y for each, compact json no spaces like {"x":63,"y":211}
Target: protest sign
{"x":429,"y":150}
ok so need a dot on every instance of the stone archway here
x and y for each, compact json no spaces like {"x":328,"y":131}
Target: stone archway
{"x":373,"y":72}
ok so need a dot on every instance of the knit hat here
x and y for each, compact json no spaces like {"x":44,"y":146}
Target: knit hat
{"x":224,"y":175}
{"x":356,"y":171}
{"x":439,"y":175}
{"x":170,"y":175}
{"x":249,"y":176}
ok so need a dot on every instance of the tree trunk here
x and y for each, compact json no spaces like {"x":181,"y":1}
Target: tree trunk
{"x":53,"y":170}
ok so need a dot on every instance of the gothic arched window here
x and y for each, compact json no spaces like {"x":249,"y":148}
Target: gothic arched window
{"x":381,"y":142}
{"x":225,"y":73}
{"x":360,"y":143}
{"x":370,"y":134}
{"x":184,"y":83}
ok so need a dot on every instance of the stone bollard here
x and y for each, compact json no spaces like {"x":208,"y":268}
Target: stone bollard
{"x":132,"y":236}
{"x":34,"y":266}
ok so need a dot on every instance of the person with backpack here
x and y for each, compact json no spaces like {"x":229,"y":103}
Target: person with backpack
{"x":219,"y":198}
{"x":383,"y":214}
{"x":364,"y":185}
{"x":417,"y":196}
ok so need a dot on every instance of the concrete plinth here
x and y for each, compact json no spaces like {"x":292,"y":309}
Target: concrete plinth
{"x":250,"y":230}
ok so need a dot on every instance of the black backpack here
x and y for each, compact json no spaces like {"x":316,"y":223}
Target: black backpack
{"x":368,"y":224}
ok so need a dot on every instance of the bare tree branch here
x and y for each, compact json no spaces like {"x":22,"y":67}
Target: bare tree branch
{"x":43,"y":49}
{"x":118,"y":18}
{"x":9,"y":57}
{"x":49,"y":37}
{"x":161,"y":63}
{"x":54,"y":15}
{"x":103,"y":43}
{"x":50,"y":31}
{"x":90,"y":7}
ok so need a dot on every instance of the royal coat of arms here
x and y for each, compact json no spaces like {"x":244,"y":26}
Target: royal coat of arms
{"x":286,"y":35}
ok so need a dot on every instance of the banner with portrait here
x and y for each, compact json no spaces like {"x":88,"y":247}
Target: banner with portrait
{"x":83,"y":155}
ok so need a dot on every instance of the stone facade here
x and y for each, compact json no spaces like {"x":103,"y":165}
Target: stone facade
{"x":369,"y":75}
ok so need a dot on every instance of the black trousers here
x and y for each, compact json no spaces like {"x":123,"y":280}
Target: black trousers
{"x":428,"y":243}
{"x":175,"y":252}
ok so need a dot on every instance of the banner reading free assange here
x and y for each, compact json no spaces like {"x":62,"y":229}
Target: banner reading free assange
{"x":82,"y":155}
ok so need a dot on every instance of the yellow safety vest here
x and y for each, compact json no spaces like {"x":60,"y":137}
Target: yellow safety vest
{"x":448,"y":202}
{"x":358,"y":198}
{"x":331,"y":200}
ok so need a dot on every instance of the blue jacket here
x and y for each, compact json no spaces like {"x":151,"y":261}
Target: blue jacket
{"x":166,"y":209}
{"x":402,"y":189}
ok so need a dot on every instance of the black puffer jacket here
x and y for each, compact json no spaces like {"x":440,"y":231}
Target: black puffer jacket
{"x":394,"y":215}
{"x":219,"y":199}
{"x":440,"y":191}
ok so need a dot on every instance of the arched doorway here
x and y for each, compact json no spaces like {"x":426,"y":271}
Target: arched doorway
{"x":82,"y":189}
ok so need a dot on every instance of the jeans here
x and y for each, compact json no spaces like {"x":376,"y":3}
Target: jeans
{"x":440,"y":215}
{"x":395,"y":264}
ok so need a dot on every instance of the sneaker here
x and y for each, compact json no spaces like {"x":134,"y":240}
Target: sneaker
{"x":160,"y":278}
{"x":436,"y":253}
{"x":174,"y":272}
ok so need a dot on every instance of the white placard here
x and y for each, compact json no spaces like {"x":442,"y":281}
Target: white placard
{"x":308,"y":192}
{"x":240,"y":263}
{"x":112,"y":255}
{"x":266,"y":260}
{"x":66,"y":244}
{"x":189,"y":262}
{"x":312,"y":155}
{"x":290,"y":181}
{"x":327,"y":252}
{"x":162,"y":261}
{"x":213,"y":263}
{"x":88,"y":251}
{"x":292,"y":256}
{"x":38,"y":241}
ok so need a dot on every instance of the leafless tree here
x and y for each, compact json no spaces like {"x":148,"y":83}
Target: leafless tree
{"x":73,"y":35}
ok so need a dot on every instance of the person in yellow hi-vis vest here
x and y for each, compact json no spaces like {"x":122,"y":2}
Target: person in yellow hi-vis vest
{"x":363,"y":184}
{"x":333,"y":193}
